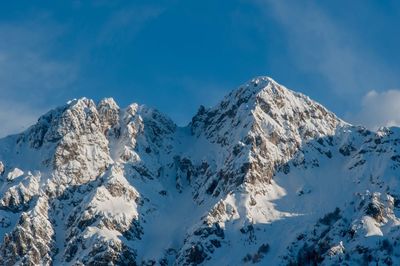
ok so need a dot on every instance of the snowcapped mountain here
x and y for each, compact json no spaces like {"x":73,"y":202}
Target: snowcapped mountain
{"x":267,"y":177}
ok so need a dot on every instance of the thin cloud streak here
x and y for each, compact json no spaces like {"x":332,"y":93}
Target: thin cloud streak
{"x":319,"y":45}
{"x":27,"y":68}
{"x":33,"y":78}
{"x":30,"y":79}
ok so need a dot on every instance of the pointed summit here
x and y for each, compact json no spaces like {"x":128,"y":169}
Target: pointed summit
{"x":264,"y":102}
{"x":267,"y":173}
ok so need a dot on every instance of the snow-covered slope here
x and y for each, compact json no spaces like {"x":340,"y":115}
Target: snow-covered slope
{"x":267,"y":177}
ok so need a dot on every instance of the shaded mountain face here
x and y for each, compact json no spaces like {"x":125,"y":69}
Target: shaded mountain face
{"x":267,"y":177}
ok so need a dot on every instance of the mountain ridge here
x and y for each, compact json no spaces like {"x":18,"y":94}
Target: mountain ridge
{"x":267,"y":175}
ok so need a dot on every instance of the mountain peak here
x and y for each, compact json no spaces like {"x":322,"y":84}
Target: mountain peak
{"x":267,"y":173}
{"x":263,"y":99}
{"x":108,"y":102}
{"x":251,"y":88}
{"x":256,"y":86}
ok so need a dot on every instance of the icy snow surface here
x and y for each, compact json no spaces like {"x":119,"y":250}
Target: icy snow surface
{"x":267,"y":176}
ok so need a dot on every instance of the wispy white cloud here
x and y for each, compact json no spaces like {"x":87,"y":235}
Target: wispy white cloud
{"x":36,"y":75}
{"x":30,"y":77}
{"x":378,"y":109}
{"x":27,"y":69}
{"x":322,"y":46}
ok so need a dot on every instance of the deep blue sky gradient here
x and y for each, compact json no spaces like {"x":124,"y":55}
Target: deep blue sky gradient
{"x":175,"y":55}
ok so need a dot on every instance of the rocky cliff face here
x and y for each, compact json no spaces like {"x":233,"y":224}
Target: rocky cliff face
{"x":267,"y":176}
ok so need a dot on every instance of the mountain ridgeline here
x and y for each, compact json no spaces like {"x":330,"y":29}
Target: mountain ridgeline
{"x":267,"y":176}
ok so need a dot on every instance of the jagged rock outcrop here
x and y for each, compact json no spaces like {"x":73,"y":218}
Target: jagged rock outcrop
{"x":2,"y":168}
{"x":267,"y":176}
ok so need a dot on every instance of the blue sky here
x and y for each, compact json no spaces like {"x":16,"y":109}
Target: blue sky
{"x":175,"y":55}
